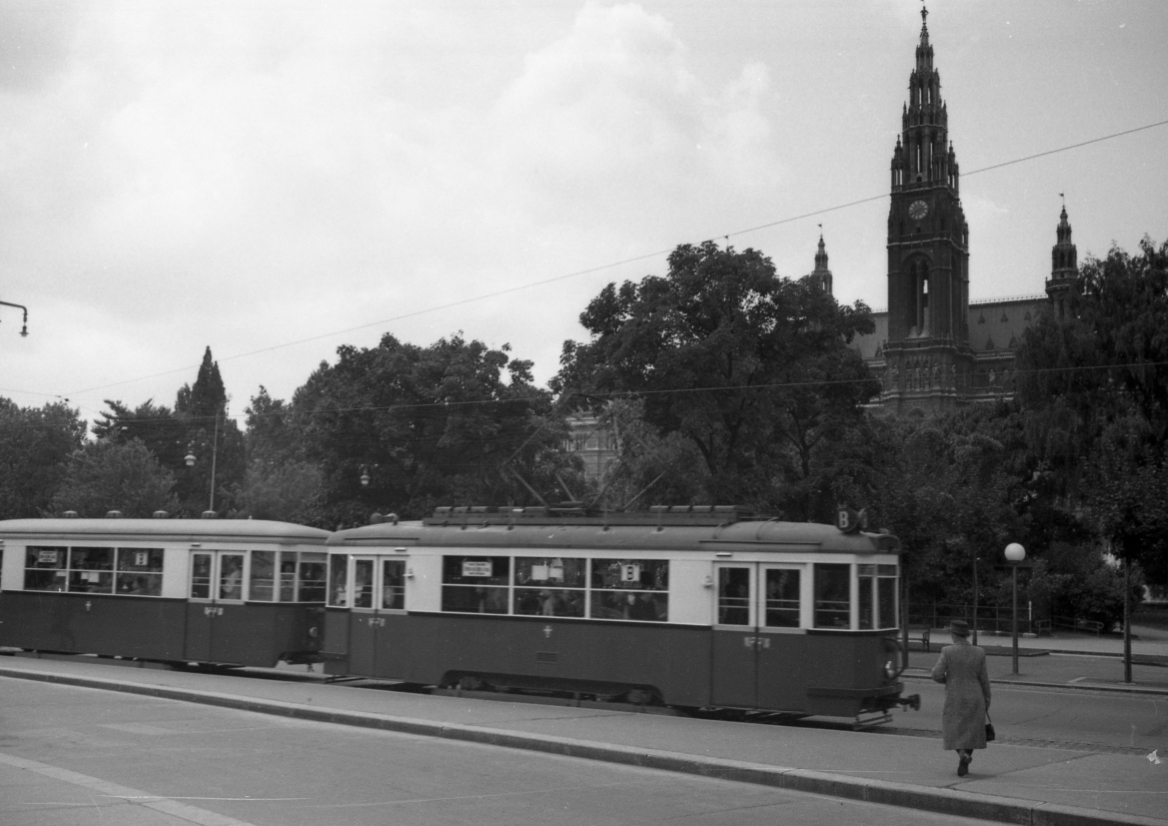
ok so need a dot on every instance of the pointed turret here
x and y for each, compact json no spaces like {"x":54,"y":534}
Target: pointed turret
{"x":1064,"y":265}
{"x":821,"y":276}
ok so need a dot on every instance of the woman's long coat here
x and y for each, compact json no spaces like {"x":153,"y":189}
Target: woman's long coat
{"x":962,"y":668}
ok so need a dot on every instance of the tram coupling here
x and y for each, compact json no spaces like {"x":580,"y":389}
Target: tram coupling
{"x":912,"y":701}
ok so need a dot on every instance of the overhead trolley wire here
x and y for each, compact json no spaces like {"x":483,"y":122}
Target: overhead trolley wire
{"x":600,"y":268}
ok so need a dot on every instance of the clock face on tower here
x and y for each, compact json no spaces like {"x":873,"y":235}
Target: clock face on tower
{"x":918,"y":210}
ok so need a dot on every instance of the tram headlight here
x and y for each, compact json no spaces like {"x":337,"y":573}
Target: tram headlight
{"x":889,"y":670}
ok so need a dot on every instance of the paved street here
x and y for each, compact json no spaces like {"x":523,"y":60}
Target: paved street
{"x":77,"y":756}
{"x":1021,"y":782}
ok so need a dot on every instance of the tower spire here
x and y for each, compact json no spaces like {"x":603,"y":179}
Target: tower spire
{"x":821,"y":276}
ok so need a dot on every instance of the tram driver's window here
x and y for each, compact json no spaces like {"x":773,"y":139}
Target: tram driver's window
{"x":549,"y":586}
{"x":476,"y":584}
{"x":45,"y":568}
{"x":833,"y":607}
{"x":782,"y":598}
{"x":139,"y":572}
{"x":630,"y":589}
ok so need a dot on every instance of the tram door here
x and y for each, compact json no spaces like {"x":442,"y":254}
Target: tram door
{"x":754,"y":662}
{"x":378,"y":608}
{"x":214,"y":606}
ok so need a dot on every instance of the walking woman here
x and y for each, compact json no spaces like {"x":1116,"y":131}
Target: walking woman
{"x":962,"y":668}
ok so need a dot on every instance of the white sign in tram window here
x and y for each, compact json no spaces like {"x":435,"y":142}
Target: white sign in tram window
{"x":630,"y":572}
{"x":470,"y":568}
{"x":47,"y":557}
{"x":141,"y":559}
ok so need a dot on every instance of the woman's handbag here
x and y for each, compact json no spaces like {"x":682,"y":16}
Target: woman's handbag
{"x":991,"y":735}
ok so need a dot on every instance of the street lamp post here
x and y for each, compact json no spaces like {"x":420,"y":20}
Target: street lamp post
{"x":1015,"y":553}
{"x":975,"y":597}
{"x":24,"y":329}
{"x":190,"y":460}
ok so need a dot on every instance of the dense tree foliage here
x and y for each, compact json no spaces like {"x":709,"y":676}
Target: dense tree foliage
{"x":197,"y":426}
{"x":35,"y":445}
{"x":106,"y":476}
{"x":1093,"y":379}
{"x":429,"y":426}
{"x":750,"y":369}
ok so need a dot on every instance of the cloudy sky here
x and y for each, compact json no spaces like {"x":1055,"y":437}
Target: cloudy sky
{"x":276,"y":179}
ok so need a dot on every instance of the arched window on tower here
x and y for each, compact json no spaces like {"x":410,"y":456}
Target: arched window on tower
{"x":924,"y":299}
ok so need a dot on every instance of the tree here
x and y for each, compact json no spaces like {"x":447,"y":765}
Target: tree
{"x":107,"y":475}
{"x":1095,"y":378}
{"x":156,"y":426}
{"x":434,"y":425}
{"x":198,"y":426}
{"x":278,"y":484}
{"x":35,"y":445}
{"x":750,"y":369}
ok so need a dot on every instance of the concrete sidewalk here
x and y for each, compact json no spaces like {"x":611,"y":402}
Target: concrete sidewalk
{"x":1016,"y":784}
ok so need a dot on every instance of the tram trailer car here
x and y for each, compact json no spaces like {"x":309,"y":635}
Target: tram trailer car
{"x":691,"y":607}
{"x":231,"y":592}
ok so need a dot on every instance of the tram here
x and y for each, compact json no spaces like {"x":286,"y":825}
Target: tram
{"x":209,"y":591}
{"x":694,"y":607}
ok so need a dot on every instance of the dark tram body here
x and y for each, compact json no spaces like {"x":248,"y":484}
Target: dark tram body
{"x":232,"y":592}
{"x":687,"y":607}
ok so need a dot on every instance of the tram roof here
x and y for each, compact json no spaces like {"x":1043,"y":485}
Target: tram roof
{"x":652,"y":531}
{"x":162,"y":529}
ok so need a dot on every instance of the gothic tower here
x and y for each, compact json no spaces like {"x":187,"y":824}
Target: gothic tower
{"x":928,"y":356}
{"x":821,"y":276}
{"x":1064,"y":266}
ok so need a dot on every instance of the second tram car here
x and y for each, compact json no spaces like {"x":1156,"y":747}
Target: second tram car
{"x":689,"y":607}
{"x":231,"y":592}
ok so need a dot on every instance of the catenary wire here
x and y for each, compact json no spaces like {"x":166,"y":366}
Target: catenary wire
{"x":602,"y":267}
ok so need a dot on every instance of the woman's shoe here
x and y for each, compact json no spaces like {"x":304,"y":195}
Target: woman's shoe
{"x":963,"y":766}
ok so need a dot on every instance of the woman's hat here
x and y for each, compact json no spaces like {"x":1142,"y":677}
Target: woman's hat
{"x":959,"y":627}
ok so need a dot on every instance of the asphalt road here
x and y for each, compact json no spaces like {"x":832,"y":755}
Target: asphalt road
{"x":77,"y":756}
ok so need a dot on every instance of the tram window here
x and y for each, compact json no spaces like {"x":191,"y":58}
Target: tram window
{"x":886,"y":595}
{"x":231,"y":576}
{"x":393,"y":584}
{"x":475,"y":584}
{"x":549,"y":586}
{"x":261,"y":587}
{"x":867,"y":583}
{"x":339,"y":581}
{"x":630,"y":589}
{"x":363,"y":583}
{"x":312,"y":584}
{"x":91,"y":570}
{"x":832,"y":596}
{"x":139,"y":572}
{"x":288,"y":576}
{"x":45,"y":568}
{"x":782,"y":598}
{"x":200,"y":576}
{"x":733,"y":596}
